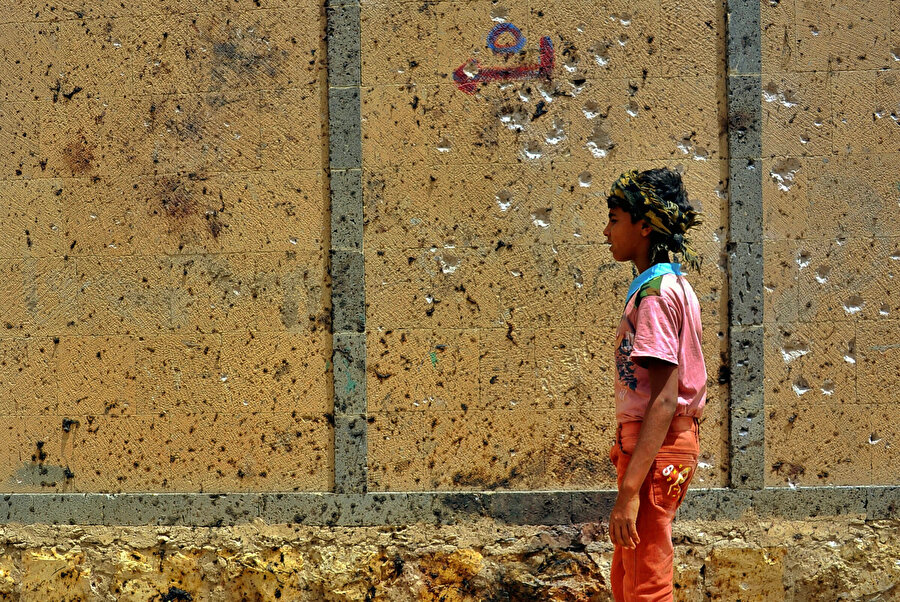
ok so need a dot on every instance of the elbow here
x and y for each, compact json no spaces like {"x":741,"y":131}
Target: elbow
{"x":667,"y":403}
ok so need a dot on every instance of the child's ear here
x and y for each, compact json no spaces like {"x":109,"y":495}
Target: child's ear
{"x":646,"y":230}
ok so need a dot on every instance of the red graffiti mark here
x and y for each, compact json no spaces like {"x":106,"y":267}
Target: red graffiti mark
{"x":467,"y":83}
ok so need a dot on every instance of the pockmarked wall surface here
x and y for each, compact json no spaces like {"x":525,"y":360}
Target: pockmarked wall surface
{"x":163,"y":247}
{"x":831,"y":153}
{"x":489,"y":144}
{"x":166,"y":240}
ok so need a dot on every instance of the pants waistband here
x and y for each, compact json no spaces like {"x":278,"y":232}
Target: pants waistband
{"x":679,"y":424}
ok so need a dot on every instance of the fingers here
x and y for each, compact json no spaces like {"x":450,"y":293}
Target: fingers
{"x":633,"y":534}
{"x":624,"y":533}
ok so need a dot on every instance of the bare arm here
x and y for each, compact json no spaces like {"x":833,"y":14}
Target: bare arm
{"x":657,"y":419}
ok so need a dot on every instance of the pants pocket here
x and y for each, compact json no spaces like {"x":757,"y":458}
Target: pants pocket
{"x":672,"y":473}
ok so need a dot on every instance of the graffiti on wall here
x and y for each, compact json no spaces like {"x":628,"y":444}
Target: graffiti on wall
{"x":471,"y":73}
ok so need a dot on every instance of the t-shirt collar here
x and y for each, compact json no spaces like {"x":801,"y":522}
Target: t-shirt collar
{"x":654,"y":271}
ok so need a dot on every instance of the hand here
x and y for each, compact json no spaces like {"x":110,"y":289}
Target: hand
{"x":623,"y":521}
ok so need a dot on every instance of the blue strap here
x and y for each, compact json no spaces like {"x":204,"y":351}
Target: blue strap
{"x":654,"y":271}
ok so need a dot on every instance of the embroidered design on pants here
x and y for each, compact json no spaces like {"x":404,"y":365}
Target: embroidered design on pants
{"x":676,"y":476}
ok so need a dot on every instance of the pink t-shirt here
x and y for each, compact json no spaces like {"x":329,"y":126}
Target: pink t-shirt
{"x":661,"y":320}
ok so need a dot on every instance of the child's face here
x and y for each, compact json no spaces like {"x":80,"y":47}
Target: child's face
{"x":626,"y":240}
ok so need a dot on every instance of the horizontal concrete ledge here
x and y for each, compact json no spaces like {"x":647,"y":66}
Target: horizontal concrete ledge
{"x":376,"y":509}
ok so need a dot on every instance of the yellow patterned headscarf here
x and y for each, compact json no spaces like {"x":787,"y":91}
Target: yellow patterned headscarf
{"x":641,"y":199}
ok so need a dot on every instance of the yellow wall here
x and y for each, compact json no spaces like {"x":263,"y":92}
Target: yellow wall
{"x":831,"y":147}
{"x":163,"y":245}
{"x":164,"y":231}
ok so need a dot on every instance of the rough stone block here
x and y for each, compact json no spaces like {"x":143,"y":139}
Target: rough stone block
{"x":160,"y":573}
{"x":805,"y":503}
{"x":345,"y":137}
{"x":732,"y":571}
{"x":97,"y":375}
{"x":529,"y":449}
{"x":882,"y":502}
{"x":664,"y":132}
{"x":26,"y":72}
{"x":46,"y":573}
{"x":781,"y":276}
{"x":842,"y":280}
{"x":397,"y":452}
{"x":19,"y":131}
{"x":28,"y":381}
{"x":744,"y":117}
{"x":418,"y":369}
{"x":807,"y":363}
{"x":743,"y":50}
{"x":279,"y":372}
{"x":820,"y":444}
{"x":350,"y":452}
{"x":265,"y":574}
{"x":54,"y":509}
{"x":454,"y":508}
{"x":291,"y":128}
{"x":350,"y":378}
{"x":342,"y":34}
{"x":797,"y":114}
{"x":533,"y":508}
{"x":348,"y":294}
{"x":347,"y":210}
{"x":745,"y":200}
{"x":746,"y":283}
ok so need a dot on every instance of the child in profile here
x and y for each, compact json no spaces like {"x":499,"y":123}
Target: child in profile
{"x":660,"y":385}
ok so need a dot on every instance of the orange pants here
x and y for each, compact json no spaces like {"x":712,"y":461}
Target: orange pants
{"x":645,"y":573}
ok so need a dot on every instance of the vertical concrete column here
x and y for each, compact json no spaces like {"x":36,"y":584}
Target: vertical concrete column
{"x":745,"y":244}
{"x":347,"y":271}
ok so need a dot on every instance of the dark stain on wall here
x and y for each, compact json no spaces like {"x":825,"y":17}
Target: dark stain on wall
{"x":78,"y":155}
{"x":182,"y":200}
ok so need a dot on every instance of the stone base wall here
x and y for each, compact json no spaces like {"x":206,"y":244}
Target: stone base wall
{"x":847,"y":558}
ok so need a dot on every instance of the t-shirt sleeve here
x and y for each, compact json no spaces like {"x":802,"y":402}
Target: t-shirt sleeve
{"x":656,"y":330}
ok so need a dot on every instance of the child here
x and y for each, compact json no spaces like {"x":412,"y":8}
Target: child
{"x":661,"y":379}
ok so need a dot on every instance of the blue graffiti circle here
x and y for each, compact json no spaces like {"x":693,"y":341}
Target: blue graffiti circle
{"x":500,"y":29}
